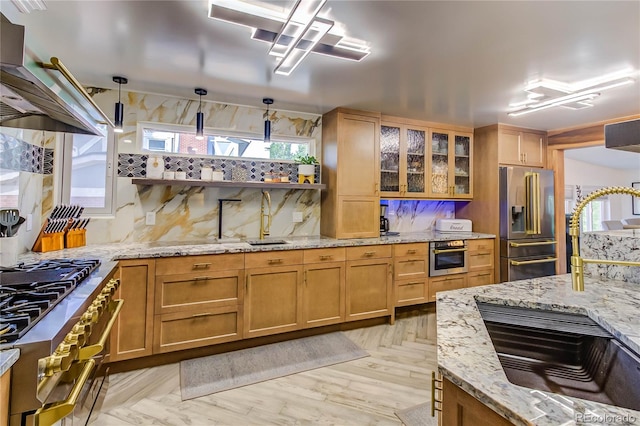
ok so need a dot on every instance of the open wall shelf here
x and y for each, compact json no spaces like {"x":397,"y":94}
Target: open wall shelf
{"x":228,"y":184}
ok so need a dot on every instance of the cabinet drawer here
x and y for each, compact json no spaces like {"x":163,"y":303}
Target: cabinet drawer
{"x":410,"y":292}
{"x":196,"y":328}
{"x":481,"y":245}
{"x":337,"y":254}
{"x":480,"y":278}
{"x":368,"y":252}
{"x":480,"y":260}
{"x":448,"y":283}
{"x":207,"y":289}
{"x":274,"y":258}
{"x":410,"y":268}
{"x":412,"y":249}
{"x":204,"y":263}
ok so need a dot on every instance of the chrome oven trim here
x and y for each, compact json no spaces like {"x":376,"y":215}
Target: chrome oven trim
{"x":434,"y":251}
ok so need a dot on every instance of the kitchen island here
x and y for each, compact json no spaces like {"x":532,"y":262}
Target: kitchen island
{"x":623,"y":245}
{"x":467,"y":358}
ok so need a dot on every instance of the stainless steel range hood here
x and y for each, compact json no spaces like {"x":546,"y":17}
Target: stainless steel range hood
{"x":38,"y":95}
{"x":624,"y":135}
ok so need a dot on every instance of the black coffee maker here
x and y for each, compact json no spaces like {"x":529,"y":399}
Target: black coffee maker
{"x":384,"y":222}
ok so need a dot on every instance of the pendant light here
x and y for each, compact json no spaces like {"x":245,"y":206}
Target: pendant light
{"x":200,"y":116}
{"x":119,"y":113}
{"x":267,"y":123}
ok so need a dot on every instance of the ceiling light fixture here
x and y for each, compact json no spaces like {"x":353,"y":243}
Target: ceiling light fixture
{"x":543,"y":94}
{"x":267,"y":122}
{"x":292,"y":35}
{"x":119,"y":110}
{"x":28,"y":6}
{"x":200,"y":115}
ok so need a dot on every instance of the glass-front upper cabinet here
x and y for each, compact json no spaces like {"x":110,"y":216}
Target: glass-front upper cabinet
{"x":403,"y":160}
{"x":451,"y":165}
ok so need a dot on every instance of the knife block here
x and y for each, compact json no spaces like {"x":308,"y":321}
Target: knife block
{"x":48,"y":242}
{"x":75,"y":238}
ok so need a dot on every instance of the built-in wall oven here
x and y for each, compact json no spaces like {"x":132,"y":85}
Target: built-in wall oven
{"x":448,"y":257}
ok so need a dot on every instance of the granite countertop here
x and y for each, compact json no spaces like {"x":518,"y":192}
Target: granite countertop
{"x":7,"y":359}
{"x":467,"y":357}
{"x":120,"y":251}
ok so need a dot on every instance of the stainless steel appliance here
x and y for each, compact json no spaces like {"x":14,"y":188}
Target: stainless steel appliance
{"x":527,"y":238}
{"x":448,"y":257}
{"x":58,"y":313}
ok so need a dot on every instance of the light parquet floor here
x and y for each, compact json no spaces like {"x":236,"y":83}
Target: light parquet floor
{"x":365,"y":391}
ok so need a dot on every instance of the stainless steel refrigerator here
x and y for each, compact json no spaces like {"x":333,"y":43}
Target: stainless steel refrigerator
{"x":527,"y":237}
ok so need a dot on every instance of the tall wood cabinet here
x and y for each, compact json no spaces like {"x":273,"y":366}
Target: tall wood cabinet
{"x":350,"y":169}
{"x":132,"y":334}
{"x":494,"y":146}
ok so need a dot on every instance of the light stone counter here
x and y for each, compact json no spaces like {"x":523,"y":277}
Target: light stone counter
{"x":623,"y":244}
{"x":7,"y":359}
{"x":467,"y":357}
{"x":121,"y":251}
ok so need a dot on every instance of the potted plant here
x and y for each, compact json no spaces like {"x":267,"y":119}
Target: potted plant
{"x":306,"y":168}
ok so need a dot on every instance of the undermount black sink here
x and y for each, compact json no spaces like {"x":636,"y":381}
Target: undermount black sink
{"x":265,"y":242}
{"x":564,"y":353}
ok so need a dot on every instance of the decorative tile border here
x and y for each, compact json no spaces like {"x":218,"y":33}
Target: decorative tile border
{"x":134,"y":165}
{"x":19,"y":155}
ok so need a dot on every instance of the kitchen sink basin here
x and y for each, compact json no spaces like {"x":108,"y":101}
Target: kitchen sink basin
{"x":564,"y":353}
{"x":265,"y":242}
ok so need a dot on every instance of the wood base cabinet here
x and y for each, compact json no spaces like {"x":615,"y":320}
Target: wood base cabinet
{"x":446,"y":283}
{"x":461,"y":409}
{"x":132,"y":334}
{"x":481,"y":262}
{"x":410,"y":274}
{"x":323,"y":293}
{"x":273,"y":296}
{"x":368,"y":282}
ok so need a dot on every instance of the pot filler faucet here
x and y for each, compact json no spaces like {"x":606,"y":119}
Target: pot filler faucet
{"x":265,"y":229}
{"x":577,"y":262}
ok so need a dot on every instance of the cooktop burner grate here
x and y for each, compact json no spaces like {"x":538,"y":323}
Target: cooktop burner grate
{"x":29,"y":291}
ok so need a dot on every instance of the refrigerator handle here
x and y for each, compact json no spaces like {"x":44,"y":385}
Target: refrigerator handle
{"x":533,"y":217}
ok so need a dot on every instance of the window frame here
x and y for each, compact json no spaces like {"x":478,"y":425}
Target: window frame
{"x":62,"y":188}
{"x":213,"y":131}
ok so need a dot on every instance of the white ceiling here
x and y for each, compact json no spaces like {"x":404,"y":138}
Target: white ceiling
{"x":453,"y":62}
{"x":601,"y":156}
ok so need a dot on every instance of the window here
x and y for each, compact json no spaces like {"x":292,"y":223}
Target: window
{"x":181,"y":140}
{"x":88,"y":177}
{"x":594,"y":213}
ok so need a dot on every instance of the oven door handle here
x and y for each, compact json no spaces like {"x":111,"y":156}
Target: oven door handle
{"x":49,"y":414}
{"x":439,"y":251}
{"x":87,"y":352}
{"x":531,"y":262}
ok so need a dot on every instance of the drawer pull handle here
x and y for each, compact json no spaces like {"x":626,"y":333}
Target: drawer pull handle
{"x":271,"y":261}
{"x":369,"y":253}
{"x":202,"y":278}
{"x":412,"y":251}
{"x":415,"y":282}
{"x":434,"y":387}
{"x":483,"y":253}
{"x":326,"y":256}
{"x":206,"y":314}
{"x":485,"y":274}
{"x":201,"y":265}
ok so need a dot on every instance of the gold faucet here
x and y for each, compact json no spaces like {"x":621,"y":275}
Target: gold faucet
{"x":265,"y":230}
{"x":577,"y":263}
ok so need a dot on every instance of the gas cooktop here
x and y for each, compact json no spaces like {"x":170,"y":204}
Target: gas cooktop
{"x":29,"y":291}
